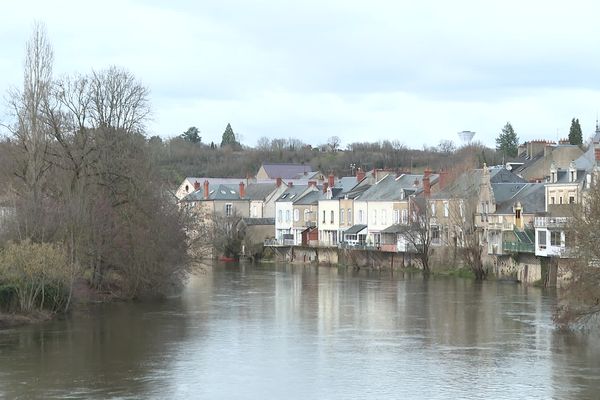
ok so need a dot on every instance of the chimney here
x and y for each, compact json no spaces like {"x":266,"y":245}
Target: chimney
{"x":443,"y":179}
{"x":426,"y":183}
{"x":360,"y":174}
{"x":597,"y":154}
{"x":312,"y":183}
{"x":196,"y":185}
{"x":290,"y":184}
{"x":206,"y":189}
{"x":331,"y":180}
{"x":242,"y":190}
{"x":278,"y":182}
{"x":325,"y":185}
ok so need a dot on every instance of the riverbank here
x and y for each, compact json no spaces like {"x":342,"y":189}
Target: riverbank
{"x":14,"y":320}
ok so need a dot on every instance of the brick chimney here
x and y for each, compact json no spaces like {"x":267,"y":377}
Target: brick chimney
{"x":206,"y":189}
{"x":325,"y":186}
{"x":196,"y":185}
{"x":278,"y":182}
{"x":426,"y":183}
{"x":312,"y":183}
{"x":331,"y":180}
{"x":360,"y":174}
{"x":242,"y":190}
{"x":597,"y":154}
{"x":443,"y":179}
{"x":290,"y":184}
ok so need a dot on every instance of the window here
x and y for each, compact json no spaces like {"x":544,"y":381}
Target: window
{"x":279,"y":213}
{"x":350,"y":222}
{"x":306,"y":215}
{"x":383,"y":217}
{"x":187,"y":188}
{"x":396,"y":216}
{"x":560,"y":200}
{"x":461,"y":207}
{"x":360,"y":216}
{"x":374,"y":217}
{"x":342,"y":216}
{"x":323,"y":216}
{"x":432,"y":208}
{"x":542,"y":239}
{"x":552,"y":201}
{"x":446,"y":209}
{"x":331,"y":216}
{"x":405,"y":216}
{"x":287,"y":215}
{"x":296,"y":215}
{"x":571,"y":199}
{"x":228,"y":209}
{"x":435,"y":234}
{"x":518,"y":214}
{"x":555,"y":238}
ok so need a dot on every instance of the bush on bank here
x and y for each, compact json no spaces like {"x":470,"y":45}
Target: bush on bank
{"x":34,"y":277}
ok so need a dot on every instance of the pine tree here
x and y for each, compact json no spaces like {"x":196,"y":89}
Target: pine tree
{"x":507,"y":142}
{"x":575,"y":135}
{"x":228,"y":137}
{"x":192,"y":135}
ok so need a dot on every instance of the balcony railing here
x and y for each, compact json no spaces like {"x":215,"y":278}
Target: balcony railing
{"x":501,"y":226}
{"x":550,"y":222}
{"x":517,"y":247}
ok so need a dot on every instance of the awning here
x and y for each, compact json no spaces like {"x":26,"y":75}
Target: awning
{"x":396,"y":228}
{"x":355,"y":229}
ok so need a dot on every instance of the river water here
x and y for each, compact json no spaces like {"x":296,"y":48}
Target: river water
{"x":306,"y":332}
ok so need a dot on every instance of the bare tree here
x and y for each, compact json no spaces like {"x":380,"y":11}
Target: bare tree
{"x":417,"y":233}
{"x":580,"y":298}
{"x":118,"y":100}
{"x":334,"y":143}
{"x":29,"y":130}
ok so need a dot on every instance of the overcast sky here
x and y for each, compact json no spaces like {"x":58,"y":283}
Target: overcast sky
{"x":415,"y":71}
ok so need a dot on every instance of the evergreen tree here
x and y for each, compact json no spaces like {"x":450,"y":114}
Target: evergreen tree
{"x":575,"y":135}
{"x":507,"y":142}
{"x":192,"y":135}
{"x":228,"y":137}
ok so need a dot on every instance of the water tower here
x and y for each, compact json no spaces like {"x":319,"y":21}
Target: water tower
{"x":466,"y":136}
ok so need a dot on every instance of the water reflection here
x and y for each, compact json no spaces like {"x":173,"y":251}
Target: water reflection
{"x":274,"y":331}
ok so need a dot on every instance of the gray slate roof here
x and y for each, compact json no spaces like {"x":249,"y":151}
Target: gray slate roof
{"x":355,"y":229}
{"x":395,"y":188}
{"x":286,"y":171}
{"x":292,"y":193}
{"x":532,"y":197}
{"x":311,"y":198}
{"x":259,"y":191}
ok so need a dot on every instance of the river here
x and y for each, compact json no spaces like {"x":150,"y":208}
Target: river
{"x":305,"y":332}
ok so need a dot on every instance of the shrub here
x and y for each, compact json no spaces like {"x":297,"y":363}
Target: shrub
{"x":37,"y":273}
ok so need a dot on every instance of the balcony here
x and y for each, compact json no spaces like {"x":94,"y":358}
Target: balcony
{"x":550,"y":222}
{"x":517,"y":247}
{"x":501,"y":226}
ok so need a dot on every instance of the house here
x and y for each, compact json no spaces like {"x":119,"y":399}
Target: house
{"x":285,"y":171}
{"x":284,"y":212}
{"x":381,"y":205}
{"x":218,"y":200}
{"x":262,"y":197}
{"x":506,"y":211}
{"x":336,"y":206}
{"x":255,"y":231}
{"x":191,"y":184}
{"x":538,"y":155}
{"x":306,"y":215}
{"x":565,"y":187}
